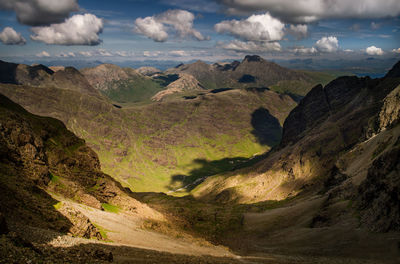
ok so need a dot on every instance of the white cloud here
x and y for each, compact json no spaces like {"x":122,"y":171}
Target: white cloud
{"x":152,"y":53}
{"x":151,"y":28}
{"x":254,"y":28}
{"x":157,"y":27}
{"x":77,"y":30}
{"x":40,"y":12}
{"x":195,"y":5}
{"x":374,"y":51}
{"x":305,"y":11}
{"x":348,"y":50}
{"x":122,"y":53}
{"x":327,"y":44}
{"x":396,"y":50}
{"x":67,"y":55}
{"x":96,"y":53}
{"x":178,"y":53}
{"x":298,"y":31}
{"x":303,"y":50}
{"x":323,"y":45}
{"x":251,"y":46}
{"x":10,"y":37}
{"x":43,"y":54}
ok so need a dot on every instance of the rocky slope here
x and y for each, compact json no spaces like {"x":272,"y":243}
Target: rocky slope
{"x":100,"y":76}
{"x":148,"y":71}
{"x":123,"y":85}
{"x":186,"y":82}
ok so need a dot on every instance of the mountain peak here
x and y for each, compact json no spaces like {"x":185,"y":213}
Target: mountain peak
{"x":253,"y":58}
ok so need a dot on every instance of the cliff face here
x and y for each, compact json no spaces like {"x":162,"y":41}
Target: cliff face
{"x":390,"y":113}
{"x":322,"y":103}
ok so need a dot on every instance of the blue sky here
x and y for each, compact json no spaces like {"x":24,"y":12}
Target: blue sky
{"x":211,"y":30}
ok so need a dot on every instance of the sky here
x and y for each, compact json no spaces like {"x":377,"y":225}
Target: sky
{"x":211,"y":30}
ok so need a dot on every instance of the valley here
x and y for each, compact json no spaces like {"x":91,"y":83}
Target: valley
{"x":241,"y":162}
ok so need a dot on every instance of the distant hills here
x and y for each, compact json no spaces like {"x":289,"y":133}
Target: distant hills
{"x":125,"y":85}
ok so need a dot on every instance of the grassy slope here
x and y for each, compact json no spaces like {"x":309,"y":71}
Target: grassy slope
{"x":175,"y":143}
{"x":145,"y":146}
{"x":133,"y":90}
{"x":302,"y":87}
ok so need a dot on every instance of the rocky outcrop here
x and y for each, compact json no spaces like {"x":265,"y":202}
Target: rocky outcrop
{"x":82,"y":226}
{"x":100,"y":76}
{"x":186,"y":82}
{"x":148,"y":71}
{"x":390,"y":113}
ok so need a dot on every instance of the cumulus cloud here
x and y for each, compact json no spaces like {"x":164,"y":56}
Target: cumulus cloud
{"x":254,"y":28}
{"x":251,"y":46}
{"x":396,"y":50}
{"x":327,"y":44}
{"x":10,"y":37}
{"x":157,"y":27}
{"x":304,"y":50}
{"x":298,"y":31}
{"x":151,"y":28}
{"x":305,"y":11}
{"x":374,"y":51}
{"x":43,"y":54}
{"x":40,"y":12}
{"x":323,"y":45}
{"x":77,"y":30}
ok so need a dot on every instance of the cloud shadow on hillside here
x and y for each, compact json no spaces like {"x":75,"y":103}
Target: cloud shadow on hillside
{"x":267,"y":131}
{"x":206,"y":168}
{"x":266,"y":127}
